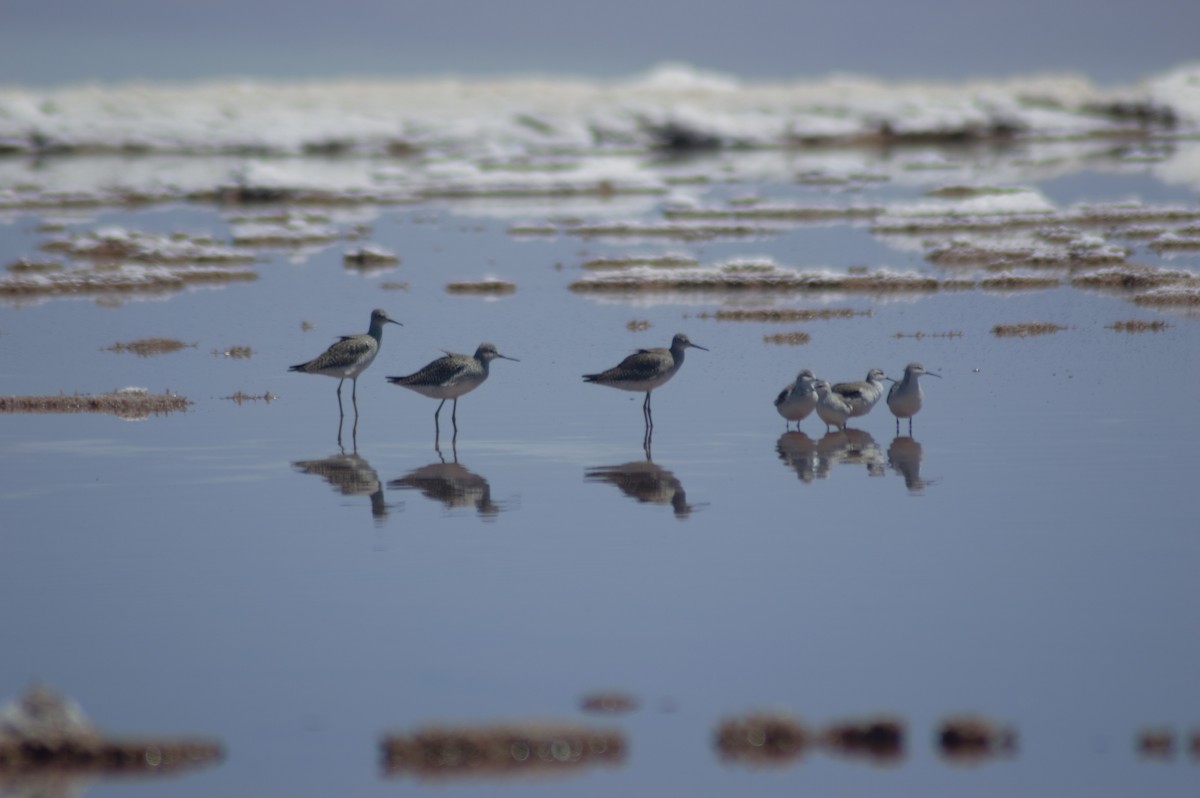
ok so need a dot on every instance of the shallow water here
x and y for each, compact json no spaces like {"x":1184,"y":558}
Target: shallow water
{"x":1029,"y":553}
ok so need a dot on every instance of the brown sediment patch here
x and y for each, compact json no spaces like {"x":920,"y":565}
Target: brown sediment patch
{"x":597,"y":188}
{"x":638,"y":325}
{"x":235,"y":352}
{"x":1073,"y":254}
{"x":959,"y":191}
{"x":238,"y":397}
{"x":369,"y":258}
{"x":144,"y":347}
{"x":533,"y":229}
{"x":653,"y":261}
{"x":126,"y":403}
{"x":120,"y":280}
{"x":394,"y":285}
{"x":1014,"y":282}
{"x":761,"y":738}
{"x":46,"y":734}
{"x":758,"y":278}
{"x":24,"y":266}
{"x":481,"y":287}
{"x":1168,"y":242}
{"x":1156,"y":743}
{"x":690,"y":231}
{"x":795,"y":338}
{"x":492,"y":751}
{"x":784,"y":314}
{"x":880,"y":740}
{"x":1026,"y":329}
{"x":1133,"y":276}
{"x":774,"y":213}
{"x":919,"y":334}
{"x":254,"y":234}
{"x":131,"y":246}
{"x":970,"y":739}
{"x":1137,"y":326}
{"x":1170,"y":296}
{"x":608,"y":703}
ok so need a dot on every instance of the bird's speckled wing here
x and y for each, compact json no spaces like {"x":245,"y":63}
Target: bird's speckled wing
{"x":443,"y":371}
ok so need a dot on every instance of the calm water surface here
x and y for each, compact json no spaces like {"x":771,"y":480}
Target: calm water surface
{"x":1029,"y":554}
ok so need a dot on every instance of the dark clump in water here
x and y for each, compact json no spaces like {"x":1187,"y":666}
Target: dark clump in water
{"x":762,"y":739}
{"x":608,"y":702}
{"x":491,"y":751}
{"x":1156,"y":743}
{"x":880,"y":740}
{"x":972,"y":739}
{"x":129,"y":403}
{"x":45,"y":733}
{"x":144,"y":347}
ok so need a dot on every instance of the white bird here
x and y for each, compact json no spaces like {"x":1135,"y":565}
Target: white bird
{"x":905,"y":397}
{"x":645,"y":370}
{"x":862,"y":394}
{"x":798,"y":400}
{"x":833,"y":409}
{"x":350,"y":356}
{"x":450,"y":377}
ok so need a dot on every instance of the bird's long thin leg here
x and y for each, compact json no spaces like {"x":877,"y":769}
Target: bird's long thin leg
{"x":898,"y":425}
{"x":647,"y":413}
{"x":354,"y":395}
{"x":436,"y":426}
{"x":454,"y":414}
{"x":909,"y":425}
{"x":339,"y":396}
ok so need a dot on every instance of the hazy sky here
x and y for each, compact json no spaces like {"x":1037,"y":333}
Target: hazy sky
{"x":56,"y":41}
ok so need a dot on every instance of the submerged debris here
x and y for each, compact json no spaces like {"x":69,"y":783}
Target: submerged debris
{"x":762,"y":738}
{"x":369,"y":257}
{"x":1025,"y":329}
{"x":880,"y":740}
{"x":795,"y":338}
{"x":129,"y":403}
{"x":638,"y":325}
{"x":235,"y":352}
{"x":492,"y":751}
{"x":238,"y":397}
{"x":481,"y":287}
{"x":1013,"y":282}
{"x":1156,"y":743}
{"x":969,"y":739}
{"x":629,"y":261}
{"x":46,"y":733}
{"x":1138,"y":325}
{"x":608,"y":702}
{"x":919,"y":334}
{"x":144,"y":347}
{"x":785,"y":314}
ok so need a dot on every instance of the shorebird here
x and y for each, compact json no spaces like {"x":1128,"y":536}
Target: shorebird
{"x":645,"y":370}
{"x":797,"y":400}
{"x":863,"y":394}
{"x":832,"y":407}
{"x":450,"y":377}
{"x":350,"y":356}
{"x":904,"y":397}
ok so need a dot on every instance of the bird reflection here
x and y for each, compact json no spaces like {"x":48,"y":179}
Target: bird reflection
{"x":644,"y":481}
{"x":798,"y":451}
{"x":904,"y":456}
{"x":452,"y":484}
{"x":351,"y":475}
{"x":849,"y":447}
